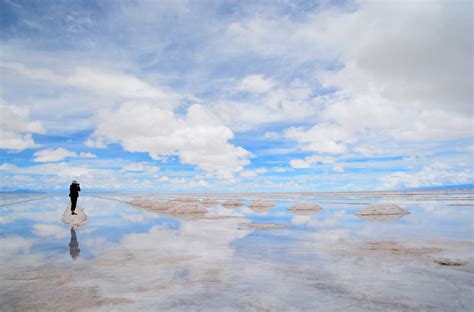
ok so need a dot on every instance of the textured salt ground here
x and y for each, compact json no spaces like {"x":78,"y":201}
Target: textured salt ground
{"x":49,"y":288}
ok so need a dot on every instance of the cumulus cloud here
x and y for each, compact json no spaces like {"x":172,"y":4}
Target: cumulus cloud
{"x":96,"y":143}
{"x":279,"y":103}
{"x":199,"y":138}
{"x":255,"y":84}
{"x":87,"y":155}
{"x":140,"y":167}
{"x":430,"y":175}
{"x":309,"y":161}
{"x":271,"y":135}
{"x":408,"y":78}
{"x":58,"y":154}
{"x":400,"y":89}
{"x":253,"y":173}
{"x":324,"y":138}
{"x":105,"y":83}
{"x":51,"y":155}
{"x":16,"y":128}
{"x":7,"y":167}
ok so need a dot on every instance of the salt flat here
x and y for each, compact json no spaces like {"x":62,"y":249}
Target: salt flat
{"x":187,"y":252}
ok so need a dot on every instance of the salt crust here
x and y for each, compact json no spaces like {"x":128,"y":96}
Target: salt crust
{"x":74,"y":220}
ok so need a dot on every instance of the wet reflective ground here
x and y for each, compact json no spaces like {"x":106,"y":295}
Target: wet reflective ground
{"x":128,"y":258}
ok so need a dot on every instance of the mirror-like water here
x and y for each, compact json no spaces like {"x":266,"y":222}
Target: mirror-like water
{"x":239,"y":258}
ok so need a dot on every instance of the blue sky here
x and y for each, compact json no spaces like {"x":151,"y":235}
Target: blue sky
{"x":236,"y":95}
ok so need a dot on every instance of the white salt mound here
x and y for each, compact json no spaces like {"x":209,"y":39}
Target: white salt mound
{"x":186,"y":208}
{"x":176,"y":208}
{"x":209,"y":201}
{"x":233,"y":203}
{"x":185,"y":200}
{"x":305,"y":206}
{"x":74,"y":220}
{"x":382,"y":209}
{"x":261,"y":203}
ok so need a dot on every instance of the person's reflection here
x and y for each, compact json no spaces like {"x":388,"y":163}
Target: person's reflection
{"x":74,"y":245}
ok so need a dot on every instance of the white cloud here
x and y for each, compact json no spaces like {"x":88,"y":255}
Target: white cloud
{"x":408,"y":78}
{"x":7,"y":167}
{"x":104,"y":83}
{"x":202,"y":183}
{"x":164,"y":179}
{"x":96,"y":143}
{"x":255,"y":84}
{"x":16,"y":128}
{"x":272,"y":135}
{"x":309,"y":161}
{"x":431,"y":175}
{"x":282,"y":104}
{"x":338,"y":169}
{"x":324,"y":137}
{"x":87,"y":155}
{"x":253,"y":173}
{"x":58,"y":154}
{"x":140,"y":167}
{"x":52,"y":155}
{"x":199,"y":138}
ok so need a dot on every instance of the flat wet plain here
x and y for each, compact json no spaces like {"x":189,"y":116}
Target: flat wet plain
{"x":245,"y":256}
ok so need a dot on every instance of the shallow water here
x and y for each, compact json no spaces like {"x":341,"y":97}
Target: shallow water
{"x":129,"y":258}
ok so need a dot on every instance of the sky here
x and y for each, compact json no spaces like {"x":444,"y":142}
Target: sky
{"x":236,"y":95}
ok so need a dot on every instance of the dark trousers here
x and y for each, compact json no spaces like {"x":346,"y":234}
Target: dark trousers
{"x":73,"y":203}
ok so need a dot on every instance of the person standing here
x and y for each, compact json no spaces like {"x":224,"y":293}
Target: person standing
{"x":74,"y":190}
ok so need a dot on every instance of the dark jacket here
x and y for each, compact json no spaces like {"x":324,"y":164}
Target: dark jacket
{"x":74,"y":190}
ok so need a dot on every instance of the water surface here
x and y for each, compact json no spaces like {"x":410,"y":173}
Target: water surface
{"x":130,"y":258}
